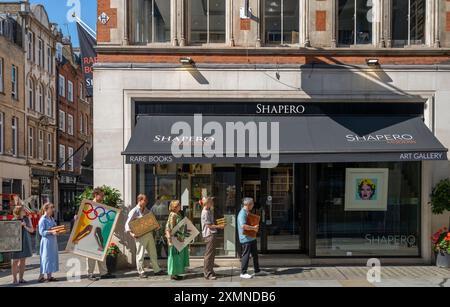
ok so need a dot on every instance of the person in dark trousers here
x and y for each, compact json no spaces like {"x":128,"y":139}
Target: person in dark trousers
{"x":249,"y":244}
{"x":209,"y":231}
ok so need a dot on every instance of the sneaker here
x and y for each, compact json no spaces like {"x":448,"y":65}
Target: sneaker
{"x":261,"y":273}
{"x":91,"y":277}
{"x":211,"y":278}
{"x":142,"y":276}
{"x":246,"y":276}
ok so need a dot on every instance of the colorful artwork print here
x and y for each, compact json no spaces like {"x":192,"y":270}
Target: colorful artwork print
{"x":183,"y":234}
{"x":93,"y":230}
{"x":366,"y":189}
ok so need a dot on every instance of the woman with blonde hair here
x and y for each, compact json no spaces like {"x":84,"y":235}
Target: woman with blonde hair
{"x":177,"y":262}
{"x":49,"y":244}
{"x":19,"y":258}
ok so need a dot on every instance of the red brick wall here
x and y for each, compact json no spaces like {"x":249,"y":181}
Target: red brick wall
{"x":104,"y":31}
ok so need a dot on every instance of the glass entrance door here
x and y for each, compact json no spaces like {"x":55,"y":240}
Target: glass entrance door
{"x":282,"y":216}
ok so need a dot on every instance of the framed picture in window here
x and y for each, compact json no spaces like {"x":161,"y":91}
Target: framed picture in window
{"x":366,"y":189}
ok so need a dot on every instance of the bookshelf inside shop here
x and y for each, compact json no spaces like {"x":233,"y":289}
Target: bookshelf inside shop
{"x":280,"y":185}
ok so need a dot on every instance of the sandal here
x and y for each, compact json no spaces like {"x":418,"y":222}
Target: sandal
{"x":42,"y":280}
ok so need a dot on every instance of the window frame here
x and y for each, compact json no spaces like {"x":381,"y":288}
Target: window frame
{"x":14,"y":82}
{"x":189,"y":27}
{"x":40,"y":144}
{"x":70,"y":94}
{"x":70,"y":124}
{"x":49,"y":103}
{"x":263,"y":25}
{"x":15,"y":136}
{"x":31,"y":142}
{"x":61,"y":86}
{"x":49,"y":156}
{"x":354,"y":20}
{"x":2,"y":133}
{"x":62,"y":160}
{"x":62,"y":121}
{"x":41,"y":100}
{"x":41,"y":55}
{"x":70,"y":166}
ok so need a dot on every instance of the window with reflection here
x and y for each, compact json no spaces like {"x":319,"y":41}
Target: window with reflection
{"x":207,"y":21}
{"x":355,"y":22}
{"x":408,"y":22}
{"x":345,"y":231}
{"x":281,"y":22}
{"x":149,"y":21}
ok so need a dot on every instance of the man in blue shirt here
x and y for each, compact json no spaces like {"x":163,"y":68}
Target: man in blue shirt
{"x":249,"y":244}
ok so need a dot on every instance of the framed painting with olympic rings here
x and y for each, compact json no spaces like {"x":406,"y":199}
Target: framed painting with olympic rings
{"x":93,"y":230}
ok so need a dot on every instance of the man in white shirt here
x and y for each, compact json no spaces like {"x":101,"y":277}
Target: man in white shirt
{"x":145,"y":242}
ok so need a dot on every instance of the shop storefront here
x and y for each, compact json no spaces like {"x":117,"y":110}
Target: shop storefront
{"x":347,"y":182}
{"x":42,"y":186}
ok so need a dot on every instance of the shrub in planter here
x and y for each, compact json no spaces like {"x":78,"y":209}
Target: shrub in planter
{"x":441,"y":246}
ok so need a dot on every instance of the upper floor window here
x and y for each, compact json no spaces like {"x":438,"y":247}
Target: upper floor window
{"x":31,"y":94}
{"x":41,"y":145}
{"x":49,"y":147}
{"x":70,"y":159}
{"x":14,"y":136}
{"x":70,"y":91}
{"x":408,"y":22}
{"x":41,"y":52}
{"x":41,"y":99}
{"x":62,"y":121}
{"x":281,"y":22}
{"x":14,"y":82}
{"x":49,"y":60}
{"x":70,"y":124}
{"x":49,"y":111}
{"x":31,"y":142}
{"x":207,"y":21}
{"x":355,"y":22}
{"x":30,"y":46}
{"x":150,"y":21}
{"x":62,"y":86}
{"x":62,"y":157}
{"x":2,"y":132}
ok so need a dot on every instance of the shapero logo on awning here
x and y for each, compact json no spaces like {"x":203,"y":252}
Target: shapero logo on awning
{"x":386,"y":138}
{"x":235,"y":139}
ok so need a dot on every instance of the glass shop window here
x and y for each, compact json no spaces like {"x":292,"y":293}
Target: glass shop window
{"x":368,"y":209}
{"x":281,"y":22}
{"x":355,"y":22}
{"x":150,"y":21}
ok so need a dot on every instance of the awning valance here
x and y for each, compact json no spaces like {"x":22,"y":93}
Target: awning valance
{"x":309,"y":139}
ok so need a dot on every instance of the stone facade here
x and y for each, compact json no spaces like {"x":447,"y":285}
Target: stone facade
{"x":14,"y":172}
{"x":245,"y":68}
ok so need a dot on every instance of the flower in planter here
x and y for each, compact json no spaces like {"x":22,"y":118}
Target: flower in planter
{"x":113,"y":250}
{"x":441,"y":241}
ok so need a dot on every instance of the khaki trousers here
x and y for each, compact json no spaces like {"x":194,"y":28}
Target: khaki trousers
{"x":91,"y":266}
{"x":210,"y":255}
{"x":146,"y":243}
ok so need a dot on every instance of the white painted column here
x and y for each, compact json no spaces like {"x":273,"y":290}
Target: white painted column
{"x":125,"y":23}
{"x":183,"y":23}
{"x":260,"y":21}
{"x":229,"y":24}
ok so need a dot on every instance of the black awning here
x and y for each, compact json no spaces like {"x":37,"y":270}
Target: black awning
{"x":309,"y":139}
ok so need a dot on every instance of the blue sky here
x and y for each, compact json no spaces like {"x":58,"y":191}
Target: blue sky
{"x":58,"y":9}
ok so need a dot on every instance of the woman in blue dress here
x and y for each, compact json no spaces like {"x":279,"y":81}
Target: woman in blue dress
{"x":19,"y":258}
{"x":49,"y":244}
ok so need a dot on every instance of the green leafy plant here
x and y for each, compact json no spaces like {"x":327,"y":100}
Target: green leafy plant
{"x":113,"y":198}
{"x":440,"y":197}
{"x":441,"y":241}
{"x":113,"y":250}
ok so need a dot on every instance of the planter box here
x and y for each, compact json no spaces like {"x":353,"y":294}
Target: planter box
{"x":443,"y":260}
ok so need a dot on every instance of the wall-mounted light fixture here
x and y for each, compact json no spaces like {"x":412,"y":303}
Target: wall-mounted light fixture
{"x":186,"y":61}
{"x":373,"y":62}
